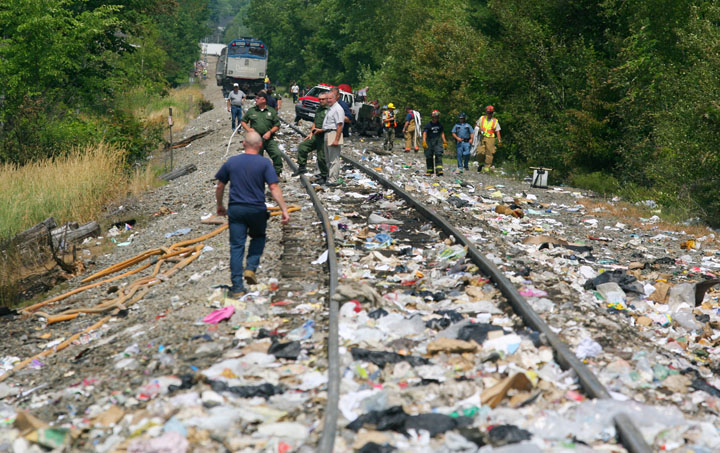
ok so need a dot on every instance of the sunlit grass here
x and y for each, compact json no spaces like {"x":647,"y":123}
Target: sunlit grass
{"x":184,"y":103}
{"x":72,"y":187}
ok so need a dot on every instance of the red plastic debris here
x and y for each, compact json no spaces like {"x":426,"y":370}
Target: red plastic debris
{"x":358,"y":306}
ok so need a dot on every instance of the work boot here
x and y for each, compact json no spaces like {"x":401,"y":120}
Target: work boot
{"x":321,"y":180}
{"x":250,"y":277}
{"x":235,"y":294}
{"x":299,"y":171}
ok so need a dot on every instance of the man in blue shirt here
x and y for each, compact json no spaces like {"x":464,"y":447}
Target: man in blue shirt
{"x":462,"y":132}
{"x":247,"y":215}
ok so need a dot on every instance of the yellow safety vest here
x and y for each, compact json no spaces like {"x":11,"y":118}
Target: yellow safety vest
{"x":487,"y":127}
{"x":389,"y":119}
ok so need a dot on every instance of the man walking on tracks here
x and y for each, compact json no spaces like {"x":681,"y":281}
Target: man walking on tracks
{"x":433,"y":133}
{"x":234,"y":104}
{"x":333,"y":126}
{"x":462,"y":132}
{"x":264,"y":120}
{"x":314,"y":142}
{"x":389,"y":124}
{"x":488,"y":128}
{"x":411,"y":128}
{"x":295,"y":90}
{"x":247,"y":174}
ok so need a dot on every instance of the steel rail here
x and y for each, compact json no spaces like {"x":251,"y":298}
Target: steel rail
{"x":327,"y":438}
{"x":629,"y":435}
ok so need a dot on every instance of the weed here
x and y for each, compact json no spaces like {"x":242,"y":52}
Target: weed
{"x":599,"y":182}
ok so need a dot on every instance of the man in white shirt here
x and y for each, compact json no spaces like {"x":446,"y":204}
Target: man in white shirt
{"x":234,"y":104}
{"x":295,"y":90}
{"x":333,"y":125}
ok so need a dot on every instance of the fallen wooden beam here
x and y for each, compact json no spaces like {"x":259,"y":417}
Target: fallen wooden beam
{"x":187,"y":141}
{"x":186,"y":170}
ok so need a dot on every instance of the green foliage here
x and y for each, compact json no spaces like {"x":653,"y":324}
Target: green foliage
{"x":236,"y":27}
{"x":180,"y":32}
{"x":68,"y":64}
{"x":599,"y":182}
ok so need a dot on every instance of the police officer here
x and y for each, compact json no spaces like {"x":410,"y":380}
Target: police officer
{"x":264,"y":120}
{"x":488,"y":129}
{"x":462,"y":132}
{"x":314,"y":142}
{"x":432,"y":135}
{"x":388,"y":122}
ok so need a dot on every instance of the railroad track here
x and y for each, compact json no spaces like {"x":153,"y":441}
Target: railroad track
{"x":436,"y":285}
{"x":424,"y":229}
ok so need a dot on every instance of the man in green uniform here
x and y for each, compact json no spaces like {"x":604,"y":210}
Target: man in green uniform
{"x":314,"y":142}
{"x":264,"y":120}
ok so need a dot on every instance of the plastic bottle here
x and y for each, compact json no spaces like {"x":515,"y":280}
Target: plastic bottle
{"x":302,"y":333}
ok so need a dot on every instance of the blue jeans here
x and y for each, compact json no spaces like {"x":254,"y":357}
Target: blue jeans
{"x":243,"y":221}
{"x":463,"y":154}
{"x":236,"y":112}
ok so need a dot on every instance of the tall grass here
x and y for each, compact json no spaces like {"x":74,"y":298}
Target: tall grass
{"x":185,"y":102}
{"x":72,"y":187}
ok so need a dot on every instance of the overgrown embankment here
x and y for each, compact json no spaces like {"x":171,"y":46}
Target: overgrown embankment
{"x":77,"y":185}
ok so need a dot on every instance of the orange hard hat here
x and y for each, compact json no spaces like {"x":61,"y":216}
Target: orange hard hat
{"x":489,"y":108}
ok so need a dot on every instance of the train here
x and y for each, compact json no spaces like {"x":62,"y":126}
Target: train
{"x":242,"y":61}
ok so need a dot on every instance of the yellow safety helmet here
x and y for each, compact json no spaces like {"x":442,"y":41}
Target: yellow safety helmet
{"x":391,"y":105}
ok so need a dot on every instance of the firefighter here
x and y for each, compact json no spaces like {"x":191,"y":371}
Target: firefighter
{"x":462,"y":132}
{"x":410,"y":130}
{"x":314,"y":142}
{"x":489,"y":128}
{"x":389,"y":125}
{"x":432,"y":134}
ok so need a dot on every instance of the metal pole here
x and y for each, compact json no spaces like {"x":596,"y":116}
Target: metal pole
{"x":170,"y":122}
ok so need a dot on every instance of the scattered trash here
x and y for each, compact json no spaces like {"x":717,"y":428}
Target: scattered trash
{"x":180,"y":232}
{"x":587,"y":348}
{"x":219,"y":315}
{"x":431,"y":356}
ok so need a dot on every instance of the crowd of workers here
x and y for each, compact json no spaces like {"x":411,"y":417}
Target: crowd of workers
{"x":485,"y":137}
{"x":248,"y":173}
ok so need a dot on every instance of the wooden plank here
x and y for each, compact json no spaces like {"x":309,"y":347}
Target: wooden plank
{"x":186,"y":170}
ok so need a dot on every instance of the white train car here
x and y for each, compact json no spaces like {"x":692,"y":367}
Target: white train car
{"x":243,"y":61}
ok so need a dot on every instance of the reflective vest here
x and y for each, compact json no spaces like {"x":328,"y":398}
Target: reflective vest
{"x":389,"y":119}
{"x":487,"y":127}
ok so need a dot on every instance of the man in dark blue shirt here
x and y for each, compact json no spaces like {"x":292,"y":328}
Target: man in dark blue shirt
{"x":247,"y":215}
{"x":349,"y":117}
{"x":434,"y":146}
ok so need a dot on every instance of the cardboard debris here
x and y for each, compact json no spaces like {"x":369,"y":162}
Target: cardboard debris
{"x":451,"y":345}
{"x":495,"y":394}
